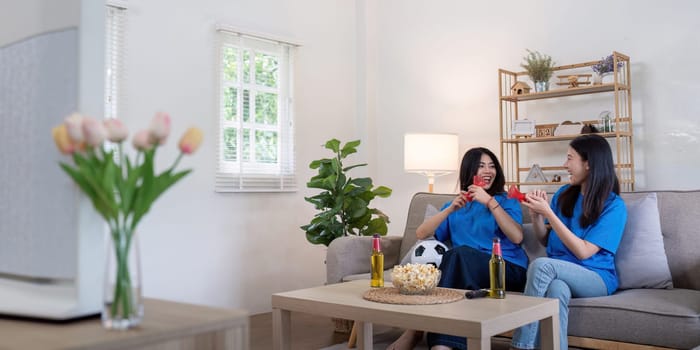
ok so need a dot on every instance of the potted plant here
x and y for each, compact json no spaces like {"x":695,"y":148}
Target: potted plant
{"x":539,"y":67}
{"x":344,"y":202}
{"x":604,"y":67}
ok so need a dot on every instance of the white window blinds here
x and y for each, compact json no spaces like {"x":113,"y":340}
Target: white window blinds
{"x":256,"y":127}
{"x":114,"y":58}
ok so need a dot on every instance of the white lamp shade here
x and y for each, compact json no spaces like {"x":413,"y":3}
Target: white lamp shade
{"x":433,"y":154}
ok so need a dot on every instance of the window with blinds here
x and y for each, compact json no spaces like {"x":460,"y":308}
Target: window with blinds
{"x":256,"y":127}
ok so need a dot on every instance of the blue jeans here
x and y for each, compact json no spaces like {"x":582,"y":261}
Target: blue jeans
{"x":554,"y":278}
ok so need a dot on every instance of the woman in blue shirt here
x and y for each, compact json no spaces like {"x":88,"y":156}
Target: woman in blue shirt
{"x":471,"y":226}
{"x":581,"y":229}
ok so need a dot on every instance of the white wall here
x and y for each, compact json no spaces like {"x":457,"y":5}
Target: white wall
{"x":234,"y":250}
{"x":22,"y":19}
{"x":376,"y":70}
{"x":438,"y":68}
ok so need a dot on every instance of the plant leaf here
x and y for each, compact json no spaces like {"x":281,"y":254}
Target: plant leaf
{"x":333,"y":145}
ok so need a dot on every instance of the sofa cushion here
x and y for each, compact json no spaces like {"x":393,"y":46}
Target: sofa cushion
{"x":641,"y":259}
{"x":638,"y":315}
{"x":430,"y":211}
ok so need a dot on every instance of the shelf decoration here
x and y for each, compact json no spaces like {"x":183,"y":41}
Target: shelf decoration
{"x":574,"y":80}
{"x":520,"y":88}
{"x":544,"y":130}
{"x":568,"y":128}
{"x":604,"y":67}
{"x":535,"y":174}
{"x":523,"y":127}
{"x":539,"y":67}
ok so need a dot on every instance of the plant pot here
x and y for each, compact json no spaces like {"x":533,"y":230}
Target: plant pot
{"x":541,"y":86}
{"x":604,"y":78}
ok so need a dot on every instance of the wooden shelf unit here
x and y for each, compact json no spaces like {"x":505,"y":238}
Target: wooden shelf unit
{"x":621,"y":138}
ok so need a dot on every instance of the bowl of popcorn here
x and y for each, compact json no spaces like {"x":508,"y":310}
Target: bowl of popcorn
{"x":415,"y":278}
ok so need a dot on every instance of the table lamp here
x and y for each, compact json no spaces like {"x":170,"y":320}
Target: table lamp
{"x":431,"y":155}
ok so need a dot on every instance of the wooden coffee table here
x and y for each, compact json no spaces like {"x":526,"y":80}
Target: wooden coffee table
{"x":476,"y":319}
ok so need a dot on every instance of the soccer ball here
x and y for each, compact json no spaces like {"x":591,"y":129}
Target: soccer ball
{"x":428,"y":252}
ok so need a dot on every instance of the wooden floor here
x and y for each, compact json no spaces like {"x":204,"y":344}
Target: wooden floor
{"x":308,"y":332}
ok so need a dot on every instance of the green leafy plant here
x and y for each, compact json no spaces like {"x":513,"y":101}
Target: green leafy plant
{"x":538,"y":66}
{"x":344,"y":201}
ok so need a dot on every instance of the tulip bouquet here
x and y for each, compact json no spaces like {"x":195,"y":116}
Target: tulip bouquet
{"x":121,"y":190}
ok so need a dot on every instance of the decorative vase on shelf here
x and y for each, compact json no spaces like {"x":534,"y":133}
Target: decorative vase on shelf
{"x":597,"y":79}
{"x":122,"y":299}
{"x":541,"y":86}
{"x":602,"y":78}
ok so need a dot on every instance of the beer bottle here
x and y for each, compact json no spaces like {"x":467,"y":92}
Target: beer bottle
{"x":497,"y":271}
{"x":377,"y":263}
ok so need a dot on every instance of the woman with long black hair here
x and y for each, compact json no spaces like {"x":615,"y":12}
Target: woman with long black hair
{"x":477,"y":215}
{"x":582,"y":230}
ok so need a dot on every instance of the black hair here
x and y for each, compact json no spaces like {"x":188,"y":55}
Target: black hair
{"x":601,"y":179}
{"x":470,"y":166}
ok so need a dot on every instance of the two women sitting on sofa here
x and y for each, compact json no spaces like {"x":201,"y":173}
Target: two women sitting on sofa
{"x":587,"y":217}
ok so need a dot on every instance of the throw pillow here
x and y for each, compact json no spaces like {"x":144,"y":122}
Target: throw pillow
{"x":641,"y":259}
{"x":430,"y":211}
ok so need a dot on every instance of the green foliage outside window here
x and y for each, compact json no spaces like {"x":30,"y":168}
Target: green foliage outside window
{"x":230,"y":144}
{"x":237,"y":63}
{"x":266,"y":108}
{"x":266,"y":146}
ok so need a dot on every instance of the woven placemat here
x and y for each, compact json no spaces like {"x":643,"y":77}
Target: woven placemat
{"x":391,"y":295}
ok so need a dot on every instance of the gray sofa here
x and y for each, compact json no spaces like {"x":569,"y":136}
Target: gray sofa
{"x":629,"y":319}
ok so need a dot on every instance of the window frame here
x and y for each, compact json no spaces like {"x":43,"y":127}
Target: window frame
{"x":245,"y":176}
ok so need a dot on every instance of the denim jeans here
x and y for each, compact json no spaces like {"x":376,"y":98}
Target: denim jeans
{"x":554,"y":278}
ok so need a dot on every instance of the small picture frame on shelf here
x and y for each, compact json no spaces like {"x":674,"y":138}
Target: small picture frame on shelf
{"x":523,"y":127}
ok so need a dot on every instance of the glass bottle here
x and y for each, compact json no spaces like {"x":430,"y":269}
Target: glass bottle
{"x":377,"y":263}
{"x":497,"y":271}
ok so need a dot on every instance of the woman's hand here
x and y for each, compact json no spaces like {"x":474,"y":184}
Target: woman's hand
{"x":459,"y":201}
{"x":479,"y":194}
{"x":537,"y":202}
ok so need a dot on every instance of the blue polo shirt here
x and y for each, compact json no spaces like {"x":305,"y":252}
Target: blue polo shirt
{"x":473,"y":225}
{"x":606,"y":233}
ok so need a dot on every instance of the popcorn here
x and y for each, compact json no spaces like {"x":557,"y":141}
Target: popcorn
{"x":415,"y":278}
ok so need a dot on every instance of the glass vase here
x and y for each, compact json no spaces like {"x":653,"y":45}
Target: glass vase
{"x":122,"y":299}
{"x":541,"y":86}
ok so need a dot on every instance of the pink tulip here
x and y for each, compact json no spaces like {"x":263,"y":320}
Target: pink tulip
{"x":142,"y":140}
{"x":160,"y":128}
{"x":74,"y":127}
{"x":190,"y":140}
{"x":62,"y":140}
{"x":94,"y":132}
{"x":116,"y":130}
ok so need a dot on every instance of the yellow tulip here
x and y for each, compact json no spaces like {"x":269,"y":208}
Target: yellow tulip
{"x":191,"y":140}
{"x":62,"y":140}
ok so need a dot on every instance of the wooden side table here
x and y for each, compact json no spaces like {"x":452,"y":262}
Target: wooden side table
{"x":166,"y":325}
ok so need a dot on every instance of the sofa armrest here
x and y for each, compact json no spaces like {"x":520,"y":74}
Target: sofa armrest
{"x":350,"y":255}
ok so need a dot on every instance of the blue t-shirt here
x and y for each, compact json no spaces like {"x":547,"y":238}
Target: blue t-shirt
{"x":606,"y":233}
{"x":473,"y":225}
